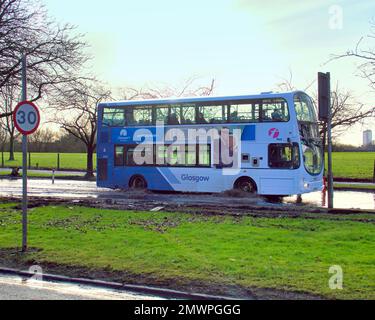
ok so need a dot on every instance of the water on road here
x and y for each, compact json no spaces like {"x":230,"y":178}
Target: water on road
{"x":65,"y":189}
{"x":17,"y":288}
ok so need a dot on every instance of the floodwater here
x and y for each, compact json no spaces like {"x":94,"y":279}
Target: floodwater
{"x":65,"y":189}
{"x":342,"y":200}
{"x":17,"y":288}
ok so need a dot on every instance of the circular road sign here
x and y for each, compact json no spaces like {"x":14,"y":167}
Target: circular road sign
{"x":26,"y":117}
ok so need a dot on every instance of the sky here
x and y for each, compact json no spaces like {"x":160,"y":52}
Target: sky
{"x":248,"y":46}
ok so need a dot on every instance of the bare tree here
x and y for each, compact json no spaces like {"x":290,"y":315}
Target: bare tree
{"x":286,"y":84}
{"x":187,"y":89}
{"x":76,"y":113}
{"x":54,"y":54}
{"x":39,"y":141}
{"x":9,"y":95}
{"x":346,"y":110}
{"x":3,"y":139}
{"x":364,"y":52}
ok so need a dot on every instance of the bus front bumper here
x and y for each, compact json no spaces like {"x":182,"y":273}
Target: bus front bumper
{"x":314,"y":185}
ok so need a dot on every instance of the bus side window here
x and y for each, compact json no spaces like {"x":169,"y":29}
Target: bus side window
{"x":162,"y":114}
{"x":129,"y":117}
{"x":119,"y":156}
{"x":200,"y":117}
{"x":173,"y":120}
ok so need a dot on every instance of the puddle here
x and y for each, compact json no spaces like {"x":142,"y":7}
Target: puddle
{"x":342,"y":200}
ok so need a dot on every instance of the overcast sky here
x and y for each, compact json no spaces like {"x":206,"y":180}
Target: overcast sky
{"x":247,"y":46}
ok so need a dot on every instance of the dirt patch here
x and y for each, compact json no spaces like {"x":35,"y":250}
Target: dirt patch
{"x":13,"y":258}
{"x":76,"y":222}
{"x":236,"y":193}
{"x":226,"y":207}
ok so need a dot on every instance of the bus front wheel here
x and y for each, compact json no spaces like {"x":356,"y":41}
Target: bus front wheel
{"x":138,"y":182}
{"x":246,"y":184}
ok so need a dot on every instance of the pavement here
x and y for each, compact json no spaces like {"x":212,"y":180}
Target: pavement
{"x":16,"y":288}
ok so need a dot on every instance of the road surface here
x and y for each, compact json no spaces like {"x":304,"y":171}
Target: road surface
{"x":64,"y":189}
{"x":16,"y":288}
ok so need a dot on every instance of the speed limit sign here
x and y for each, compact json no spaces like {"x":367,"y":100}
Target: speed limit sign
{"x":26,"y":117}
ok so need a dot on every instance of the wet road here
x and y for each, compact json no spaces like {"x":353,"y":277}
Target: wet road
{"x":83,"y":189}
{"x":15,"y":288}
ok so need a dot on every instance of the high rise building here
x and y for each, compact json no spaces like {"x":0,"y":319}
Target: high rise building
{"x":367,"y":138}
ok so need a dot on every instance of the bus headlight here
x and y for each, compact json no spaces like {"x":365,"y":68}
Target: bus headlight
{"x":307,"y":186}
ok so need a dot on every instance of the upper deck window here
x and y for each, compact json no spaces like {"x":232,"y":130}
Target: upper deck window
{"x":275,"y":110}
{"x":221,"y":112}
{"x":113,"y":117}
{"x":243,"y":113}
{"x":212,"y":114}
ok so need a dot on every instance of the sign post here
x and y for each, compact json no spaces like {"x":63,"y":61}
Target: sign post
{"x":325,"y":114}
{"x":26,"y":118}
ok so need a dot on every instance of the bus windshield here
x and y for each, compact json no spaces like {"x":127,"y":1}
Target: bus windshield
{"x":309,"y":131}
{"x":305,"y":108}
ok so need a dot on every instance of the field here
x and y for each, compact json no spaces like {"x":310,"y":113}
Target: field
{"x":357,"y":165}
{"x":38,"y":174}
{"x":73,"y":161}
{"x":211,"y":253}
{"x":345,"y":165}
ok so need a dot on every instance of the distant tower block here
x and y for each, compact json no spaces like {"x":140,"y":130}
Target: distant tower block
{"x":367,"y":138}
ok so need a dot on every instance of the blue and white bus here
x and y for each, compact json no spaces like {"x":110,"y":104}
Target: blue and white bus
{"x":280,"y":150}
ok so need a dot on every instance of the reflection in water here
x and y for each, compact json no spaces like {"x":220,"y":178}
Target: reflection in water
{"x":342,"y":200}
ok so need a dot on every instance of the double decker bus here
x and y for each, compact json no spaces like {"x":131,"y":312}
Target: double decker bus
{"x":274,"y":138}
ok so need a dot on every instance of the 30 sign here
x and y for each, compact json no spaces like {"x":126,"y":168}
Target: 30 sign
{"x":26,"y":117}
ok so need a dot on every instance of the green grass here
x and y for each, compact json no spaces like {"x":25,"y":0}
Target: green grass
{"x":357,"y":165}
{"x":354,"y":186}
{"x":32,"y":174}
{"x":282,"y":253}
{"x":74,"y":161}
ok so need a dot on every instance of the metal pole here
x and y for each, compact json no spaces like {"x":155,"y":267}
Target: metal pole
{"x":24,"y":163}
{"x":329,"y":136}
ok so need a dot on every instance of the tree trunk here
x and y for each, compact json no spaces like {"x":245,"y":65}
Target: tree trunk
{"x":90,"y":162}
{"x":11,"y":147}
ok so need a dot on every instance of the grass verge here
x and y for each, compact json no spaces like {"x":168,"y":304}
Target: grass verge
{"x":179,"y":250}
{"x":32,"y":174}
{"x":359,"y":187}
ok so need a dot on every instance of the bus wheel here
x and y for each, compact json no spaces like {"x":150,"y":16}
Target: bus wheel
{"x":246,"y":184}
{"x":138,"y":182}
